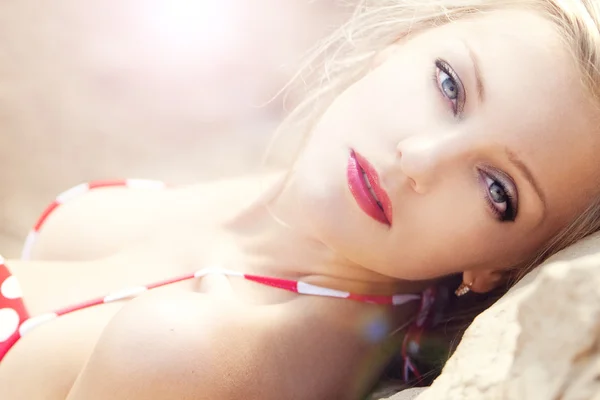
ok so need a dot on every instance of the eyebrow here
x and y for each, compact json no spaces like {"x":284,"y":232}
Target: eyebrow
{"x":478,"y":76}
{"x":520,"y":165}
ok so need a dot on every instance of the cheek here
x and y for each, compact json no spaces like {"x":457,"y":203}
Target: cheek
{"x":447,"y":232}
{"x":438,"y":238}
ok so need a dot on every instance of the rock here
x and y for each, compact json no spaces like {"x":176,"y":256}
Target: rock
{"x":539,"y":341}
{"x":408,"y":394}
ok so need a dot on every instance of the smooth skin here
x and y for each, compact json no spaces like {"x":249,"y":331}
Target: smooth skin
{"x":427,"y":136}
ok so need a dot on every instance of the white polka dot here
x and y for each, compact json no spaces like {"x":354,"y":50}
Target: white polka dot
{"x":9,"y":323}
{"x":10,"y":288}
{"x":28,"y":246}
{"x":34,"y":322}
{"x":124,"y":294}
{"x":72,"y":193}
{"x":307,"y":288}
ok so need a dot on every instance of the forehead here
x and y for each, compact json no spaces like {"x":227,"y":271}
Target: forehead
{"x":535,"y":102}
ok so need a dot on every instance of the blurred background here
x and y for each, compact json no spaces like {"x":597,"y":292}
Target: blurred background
{"x":176,"y":90}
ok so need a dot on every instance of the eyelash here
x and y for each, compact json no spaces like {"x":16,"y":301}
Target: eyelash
{"x":442,"y":66}
{"x":509,"y":189}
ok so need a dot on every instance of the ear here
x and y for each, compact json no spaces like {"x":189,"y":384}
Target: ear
{"x":483,"y":281}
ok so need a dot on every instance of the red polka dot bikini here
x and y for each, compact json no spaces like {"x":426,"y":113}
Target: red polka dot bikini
{"x":15,"y":321}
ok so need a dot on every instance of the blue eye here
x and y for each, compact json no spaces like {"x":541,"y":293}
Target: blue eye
{"x":497,"y":195}
{"x":450,"y":86}
{"x":500,"y":197}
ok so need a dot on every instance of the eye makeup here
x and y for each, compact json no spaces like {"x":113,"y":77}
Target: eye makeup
{"x":500,"y":193}
{"x":450,"y":86}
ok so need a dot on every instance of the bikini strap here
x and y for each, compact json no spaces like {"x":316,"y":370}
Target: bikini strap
{"x":76,"y":192}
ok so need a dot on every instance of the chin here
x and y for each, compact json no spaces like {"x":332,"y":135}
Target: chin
{"x":347,"y":235}
{"x":325,"y":204}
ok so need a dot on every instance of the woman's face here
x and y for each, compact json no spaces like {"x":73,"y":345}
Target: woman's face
{"x":479,"y":143}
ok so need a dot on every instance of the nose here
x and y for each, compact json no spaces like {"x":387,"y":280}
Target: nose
{"x":425,"y":159}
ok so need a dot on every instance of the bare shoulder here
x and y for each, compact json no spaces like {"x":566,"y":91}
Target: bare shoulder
{"x":189,"y":345}
{"x":100,"y":222}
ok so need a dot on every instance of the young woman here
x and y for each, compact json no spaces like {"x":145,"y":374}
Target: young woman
{"x":451,"y":138}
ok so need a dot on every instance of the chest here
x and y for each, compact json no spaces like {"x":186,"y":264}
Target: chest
{"x":305,"y":341}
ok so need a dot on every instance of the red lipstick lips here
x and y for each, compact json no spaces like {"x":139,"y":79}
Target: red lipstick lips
{"x":365,"y":187}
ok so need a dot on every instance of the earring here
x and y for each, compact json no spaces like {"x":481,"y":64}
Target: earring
{"x":463,"y":289}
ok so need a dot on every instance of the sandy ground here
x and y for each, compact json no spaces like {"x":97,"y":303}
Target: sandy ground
{"x":163,"y":89}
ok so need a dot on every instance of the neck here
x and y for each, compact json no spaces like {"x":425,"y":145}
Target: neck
{"x":270,"y":242}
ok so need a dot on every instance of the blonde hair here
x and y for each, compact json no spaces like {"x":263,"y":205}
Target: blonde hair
{"x":347,"y":55}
